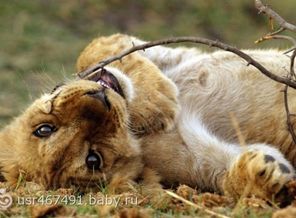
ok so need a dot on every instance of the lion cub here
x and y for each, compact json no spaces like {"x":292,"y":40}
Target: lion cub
{"x":116,"y":126}
{"x":210,"y":86}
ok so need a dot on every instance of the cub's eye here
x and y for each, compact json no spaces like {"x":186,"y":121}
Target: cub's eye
{"x":44,"y":130}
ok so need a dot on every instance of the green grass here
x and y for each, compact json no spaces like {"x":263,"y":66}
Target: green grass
{"x":40,"y":40}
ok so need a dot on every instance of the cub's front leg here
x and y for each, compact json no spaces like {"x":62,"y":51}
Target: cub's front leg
{"x":260,"y":170}
{"x":155,"y":103}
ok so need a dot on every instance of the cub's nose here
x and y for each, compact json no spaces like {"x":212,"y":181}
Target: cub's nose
{"x":94,"y":161}
{"x":100,"y":95}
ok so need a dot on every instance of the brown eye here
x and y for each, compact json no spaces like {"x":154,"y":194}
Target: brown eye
{"x":44,"y":130}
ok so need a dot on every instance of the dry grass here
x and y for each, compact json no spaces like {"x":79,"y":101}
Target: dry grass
{"x":136,"y":202}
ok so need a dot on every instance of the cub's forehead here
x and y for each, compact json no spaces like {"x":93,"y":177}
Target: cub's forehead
{"x":45,"y":103}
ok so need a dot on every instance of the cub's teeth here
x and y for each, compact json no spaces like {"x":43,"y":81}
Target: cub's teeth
{"x":102,"y":83}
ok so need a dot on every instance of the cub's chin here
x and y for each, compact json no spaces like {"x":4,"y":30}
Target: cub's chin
{"x":76,"y":135}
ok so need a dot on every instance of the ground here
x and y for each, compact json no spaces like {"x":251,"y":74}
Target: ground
{"x":31,"y":200}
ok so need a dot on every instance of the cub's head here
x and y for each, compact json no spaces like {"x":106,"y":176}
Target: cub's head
{"x":76,"y":135}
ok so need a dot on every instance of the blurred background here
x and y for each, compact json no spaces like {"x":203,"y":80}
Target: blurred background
{"x":41,"y":39}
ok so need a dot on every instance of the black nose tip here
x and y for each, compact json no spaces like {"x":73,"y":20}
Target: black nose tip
{"x":100,"y":95}
{"x":93,"y":161}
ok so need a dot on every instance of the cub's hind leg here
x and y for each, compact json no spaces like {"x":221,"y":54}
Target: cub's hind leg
{"x":236,"y":171}
{"x":260,"y":170}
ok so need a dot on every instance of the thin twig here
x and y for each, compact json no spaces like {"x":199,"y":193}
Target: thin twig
{"x":235,"y":124}
{"x":290,"y":50}
{"x":292,"y":69}
{"x":268,"y":37}
{"x":284,"y":25}
{"x":93,"y":70}
{"x":281,"y":29}
{"x":210,"y":212}
{"x":289,"y":38}
{"x":288,"y":114}
{"x":291,"y":76}
{"x":272,"y":14}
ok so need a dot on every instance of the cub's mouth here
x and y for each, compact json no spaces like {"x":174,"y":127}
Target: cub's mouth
{"x":106,"y":79}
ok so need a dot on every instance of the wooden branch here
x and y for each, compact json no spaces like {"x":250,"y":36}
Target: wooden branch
{"x":272,"y":36}
{"x":284,"y":25}
{"x":292,"y":68}
{"x":272,"y":14}
{"x":288,"y":114}
{"x":289,"y":81}
{"x":93,"y":70}
{"x":290,"y":50}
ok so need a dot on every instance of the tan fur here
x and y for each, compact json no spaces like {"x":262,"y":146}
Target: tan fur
{"x":152,"y":109}
{"x":82,"y":123}
{"x":221,"y":84}
{"x":197,"y":147}
{"x":212,"y":86}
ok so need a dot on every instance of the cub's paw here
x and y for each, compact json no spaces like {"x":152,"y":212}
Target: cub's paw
{"x":154,"y":113}
{"x":154,"y":106}
{"x":258,"y":173}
